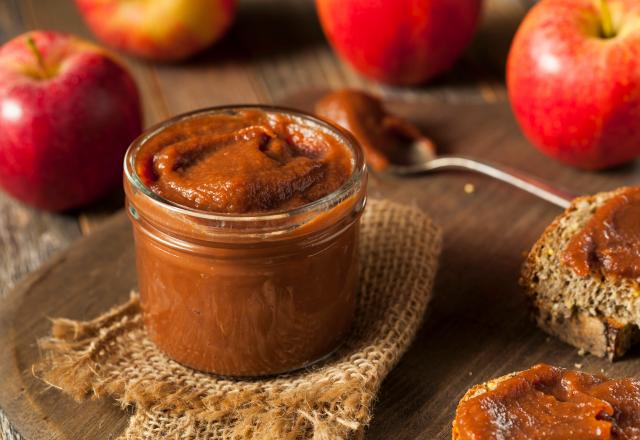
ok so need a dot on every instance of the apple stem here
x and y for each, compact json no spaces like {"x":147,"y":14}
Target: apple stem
{"x":36,"y":52}
{"x":606,"y":20}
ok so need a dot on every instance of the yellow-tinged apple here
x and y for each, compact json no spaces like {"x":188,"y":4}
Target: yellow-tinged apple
{"x":165,"y":30}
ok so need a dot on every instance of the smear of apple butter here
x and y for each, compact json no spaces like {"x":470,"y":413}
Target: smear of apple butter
{"x":610,"y":241}
{"x":553,"y":403}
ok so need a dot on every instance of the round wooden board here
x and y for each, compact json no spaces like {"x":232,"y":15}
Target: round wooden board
{"x":477,"y":326}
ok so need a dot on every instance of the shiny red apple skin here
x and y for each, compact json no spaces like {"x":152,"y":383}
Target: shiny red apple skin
{"x":63,"y":138}
{"x":403,"y":42}
{"x":575,"y":94}
{"x":161,"y":30}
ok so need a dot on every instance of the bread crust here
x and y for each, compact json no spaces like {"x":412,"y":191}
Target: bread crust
{"x":600,"y":336}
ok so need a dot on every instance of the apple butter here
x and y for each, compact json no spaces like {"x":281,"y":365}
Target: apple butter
{"x":610,"y":241}
{"x":246,"y":235}
{"x":381,"y":134}
{"x":552,"y":403}
{"x":248,"y":161}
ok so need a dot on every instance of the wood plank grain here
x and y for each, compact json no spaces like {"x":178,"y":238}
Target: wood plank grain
{"x":28,"y":238}
{"x":11,"y":19}
{"x":477,"y":326}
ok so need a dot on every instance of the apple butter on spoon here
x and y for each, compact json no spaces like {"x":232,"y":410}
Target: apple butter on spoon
{"x":394,"y":146}
{"x":384,"y":137}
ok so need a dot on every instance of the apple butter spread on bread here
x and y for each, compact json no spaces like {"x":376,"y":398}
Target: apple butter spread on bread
{"x":610,"y":241}
{"x":582,"y":274}
{"x":546,"y":402}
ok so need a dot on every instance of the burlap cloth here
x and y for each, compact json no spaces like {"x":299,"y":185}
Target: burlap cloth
{"x":111,"y":355}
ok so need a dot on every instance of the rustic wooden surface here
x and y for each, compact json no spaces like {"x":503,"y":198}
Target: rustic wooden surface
{"x":477,"y":316}
{"x":477,"y":326}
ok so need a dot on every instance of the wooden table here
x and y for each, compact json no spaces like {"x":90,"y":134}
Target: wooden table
{"x":291,"y":56}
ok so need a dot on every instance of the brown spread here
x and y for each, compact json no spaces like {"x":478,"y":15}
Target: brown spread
{"x":552,"y":403}
{"x":381,"y":134}
{"x":246,"y":295}
{"x":243,"y":161}
{"x":610,"y":241}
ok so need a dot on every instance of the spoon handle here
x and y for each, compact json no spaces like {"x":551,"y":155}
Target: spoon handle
{"x":513,"y":177}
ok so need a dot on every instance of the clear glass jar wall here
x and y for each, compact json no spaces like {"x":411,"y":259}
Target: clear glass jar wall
{"x":250,"y":294}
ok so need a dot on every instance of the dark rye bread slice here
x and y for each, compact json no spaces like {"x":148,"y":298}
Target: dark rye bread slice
{"x":597,"y":314}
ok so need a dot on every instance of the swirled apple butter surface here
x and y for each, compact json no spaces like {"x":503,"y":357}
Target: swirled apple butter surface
{"x":610,"y":241}
{"x":551,"y":403}
{"x":240,"y":273}
{"x":247,"y":161}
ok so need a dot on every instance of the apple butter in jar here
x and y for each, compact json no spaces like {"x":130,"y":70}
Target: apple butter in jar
{"x":245,"y":223}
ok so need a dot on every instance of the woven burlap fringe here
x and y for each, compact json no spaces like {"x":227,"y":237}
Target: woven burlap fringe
{"x":111,"y":355}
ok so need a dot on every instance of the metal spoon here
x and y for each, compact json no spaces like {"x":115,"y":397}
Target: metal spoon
{"x":357,"y":111}
{"x":423,"y":160}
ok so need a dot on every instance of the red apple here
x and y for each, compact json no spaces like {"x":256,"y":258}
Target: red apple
{"x":399,"y":41}
{"x":165,"y":30}
{"x":574,"y":80}
{"x":68,"y":112}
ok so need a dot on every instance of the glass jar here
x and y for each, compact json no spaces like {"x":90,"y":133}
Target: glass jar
{"x":249,"y":294}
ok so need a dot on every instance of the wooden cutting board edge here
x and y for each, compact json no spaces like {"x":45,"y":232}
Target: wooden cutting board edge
{"x":17,"y":382}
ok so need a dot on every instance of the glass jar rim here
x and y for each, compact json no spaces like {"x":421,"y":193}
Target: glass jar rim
{"x":346,"y":138}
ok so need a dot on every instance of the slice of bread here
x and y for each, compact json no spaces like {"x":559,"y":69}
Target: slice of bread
{"x":597,"y":314}
{"x":539,"y":398}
